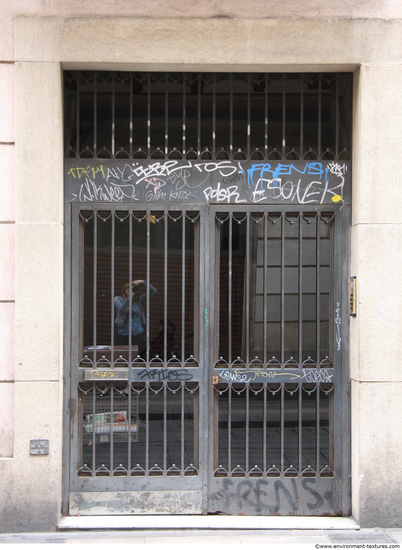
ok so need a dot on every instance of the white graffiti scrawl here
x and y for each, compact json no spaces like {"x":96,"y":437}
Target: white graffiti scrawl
{"x":338,"y":325}
{"x":226,"y":181}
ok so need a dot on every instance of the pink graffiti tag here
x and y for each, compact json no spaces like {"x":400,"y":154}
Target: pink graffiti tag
{"x":156,"y":182}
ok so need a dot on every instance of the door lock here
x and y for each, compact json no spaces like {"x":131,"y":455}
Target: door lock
{"x":215,"y":379}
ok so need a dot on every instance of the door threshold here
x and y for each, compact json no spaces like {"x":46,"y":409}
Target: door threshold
{"x":204,"y":522}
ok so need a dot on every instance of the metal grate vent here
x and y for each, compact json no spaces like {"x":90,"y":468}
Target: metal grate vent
{"x":369,"y":537}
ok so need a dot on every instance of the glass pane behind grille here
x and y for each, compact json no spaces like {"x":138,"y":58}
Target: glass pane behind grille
{"x":149,"y":424}
{"x":275,"y":279}
{"x":284,"y":429}
{"x":116,"y":249}
{"x":152,"y":432}
{"x":275,"y":311}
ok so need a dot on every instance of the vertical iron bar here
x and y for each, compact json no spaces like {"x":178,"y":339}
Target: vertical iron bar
{"x":164,"y":426}
{"x":166,"y":115}
{"x":113,"y":114}
{"x":265,"y":298}
{"x":337,"y":118}
{"x":214,"y":116}
{"x":229,"y":427}
{"x":282,"y":429}
{"x":149,"y":117}
{"x":266,"y":118}
{"x":196,"y":431}
{"x":300,"y":289}
{"x":131,"y":116}
{"x":319,"y":113}
{"x":130,"y":358}
{"x":95,"y":115}
{"x":184,"y":115}
{"x":300,"y":429}
{"x":264,"y":432}
{"x":248,"y":289}
{"x":129,"y":401}
{"x":198,"y":290}
{"x":247,"y":466}
{"x":146,"y":427}
{"x":318,"y":265}
{"x":199,"y":117}
{"x":130,"y":278}
{"x":111,"y":390}
{"x":248,"y":116}
{"x":93,"y":429}
{"x":218,"y":279}
{"x":148,"y":283}
{"x":283,"y":116}
{"x":95,"y":282}
{"x":165,"y":298}
{"x":183,"y":286}
{"x":231,"y":118}
{"x":318,"y":290}
{"x":182,"y":384}
{"x":283,"y":289}
{"x":230,"y":358}
{"x":112,"y":249}
{"x":318,"y":428}
{"x":301,"y":115}
{"x":77,"y":133}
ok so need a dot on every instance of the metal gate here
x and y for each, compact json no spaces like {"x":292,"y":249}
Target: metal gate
{"x":277,"y":397}
{"x":138,"y":419}
{"x":206,"y":323}
{"x":235,"y":403}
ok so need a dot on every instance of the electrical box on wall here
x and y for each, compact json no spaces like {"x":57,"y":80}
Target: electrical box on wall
{"x":39,"y":446}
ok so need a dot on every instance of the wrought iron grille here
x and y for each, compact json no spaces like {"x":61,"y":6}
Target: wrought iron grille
{"x":147,"y":423}
{"x":207,"y":116}
{"x":275,"y":429}
{"x":156,"y":254}
{"x":143,"y":429}
{"x":275,"y":283}
{"x":276,"y":312}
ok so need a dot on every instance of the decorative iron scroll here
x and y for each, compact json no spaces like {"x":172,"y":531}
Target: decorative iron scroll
{"x":217,"y":182}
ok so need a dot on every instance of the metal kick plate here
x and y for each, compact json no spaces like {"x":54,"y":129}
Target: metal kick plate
{"x":135,"y":502}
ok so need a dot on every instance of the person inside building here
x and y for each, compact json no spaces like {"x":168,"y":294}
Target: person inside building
{"x":138,"y":303}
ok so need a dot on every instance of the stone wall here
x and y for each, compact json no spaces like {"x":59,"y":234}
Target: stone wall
{"x":39,"y":39}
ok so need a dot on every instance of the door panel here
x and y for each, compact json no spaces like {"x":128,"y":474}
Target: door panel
{"x":138,"y":421}
{"x":276,"y":382}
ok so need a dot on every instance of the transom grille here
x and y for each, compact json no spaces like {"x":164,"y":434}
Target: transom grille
{"x":205,"y":116}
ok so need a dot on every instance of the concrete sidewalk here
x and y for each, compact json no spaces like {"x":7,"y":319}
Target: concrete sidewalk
{"x":360,"y":538}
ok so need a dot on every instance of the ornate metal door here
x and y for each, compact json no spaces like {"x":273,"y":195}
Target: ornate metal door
{"x":206,"y":286}
{"x":278,"y":391}
{"x":137,"y":424}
